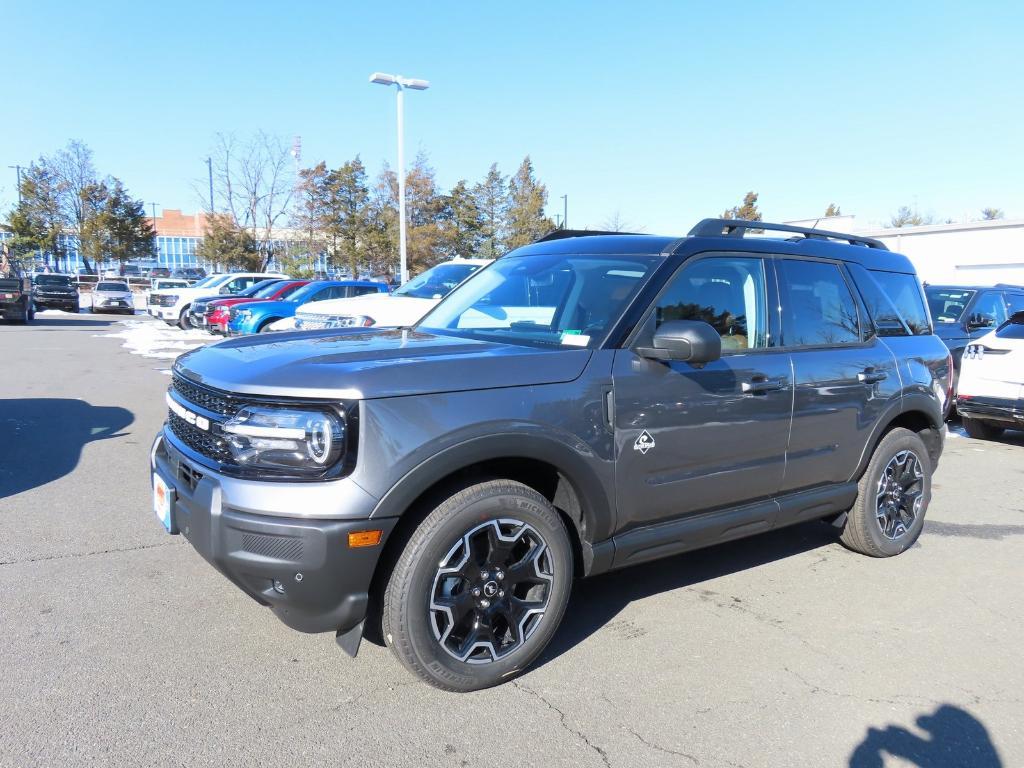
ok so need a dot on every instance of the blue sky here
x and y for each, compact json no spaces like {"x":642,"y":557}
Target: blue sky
{"x":663,"y":112}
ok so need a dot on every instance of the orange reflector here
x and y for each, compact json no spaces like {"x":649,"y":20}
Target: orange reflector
{"x":364,"y":538}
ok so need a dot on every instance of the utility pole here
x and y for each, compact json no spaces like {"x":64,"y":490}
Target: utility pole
{"x":565,"y":211}
{"x":17,"y":169}
{"x":209,"y":168}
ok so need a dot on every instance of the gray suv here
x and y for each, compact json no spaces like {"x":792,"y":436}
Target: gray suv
{"x":585,"y":403}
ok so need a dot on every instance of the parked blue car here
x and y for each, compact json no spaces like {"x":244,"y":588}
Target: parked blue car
{"x":256,"y":316}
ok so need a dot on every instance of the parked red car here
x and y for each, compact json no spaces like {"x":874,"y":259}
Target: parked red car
{"x":216,"y":312}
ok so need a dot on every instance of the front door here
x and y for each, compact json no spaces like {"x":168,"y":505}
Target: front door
{"x":694,"y":438}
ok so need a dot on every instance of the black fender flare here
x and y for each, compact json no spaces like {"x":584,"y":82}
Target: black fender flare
{"x":596,"y":508}
{"x":907,"y":403}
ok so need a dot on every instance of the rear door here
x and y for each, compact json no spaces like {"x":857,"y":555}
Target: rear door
{"x":843,"y":374}
{"x":691,"y":438}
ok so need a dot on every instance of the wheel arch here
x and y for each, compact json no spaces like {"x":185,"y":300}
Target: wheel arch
{"x":915,"y":411}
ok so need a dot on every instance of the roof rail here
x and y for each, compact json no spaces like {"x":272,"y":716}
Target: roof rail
{"x":739,"y":228}
{"x":561,"y":234}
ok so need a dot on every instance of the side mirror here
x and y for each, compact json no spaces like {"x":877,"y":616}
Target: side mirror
{"x":691,"y":341}
{"x":980,"y":320}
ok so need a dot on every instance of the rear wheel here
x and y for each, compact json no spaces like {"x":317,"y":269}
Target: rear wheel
{"x":480,"y":588}
{"x":893,"y":497}
{"x":982,"y":430}
{"x":183,"y":322}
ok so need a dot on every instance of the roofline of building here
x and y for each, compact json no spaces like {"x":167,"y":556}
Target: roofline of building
{"x":926,"y":229}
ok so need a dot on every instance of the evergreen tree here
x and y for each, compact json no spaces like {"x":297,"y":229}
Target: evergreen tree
{"x":491,"y":199}
{"x":990,"y":214}
{"x":37,"y":222}
{"x":527,"y":198}
{"x":348,"y":197}
{"x":228,"y":245}
{"x":130,"y":233}
{"x":747,"y":211}
{"x":832,"y":210}
{"x":462,"y":225}
{"x":908,"y":217}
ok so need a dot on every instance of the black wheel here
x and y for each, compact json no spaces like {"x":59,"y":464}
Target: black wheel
{"x":183,"y":322}
{"x":893,"y":497}
{"x":265,"y":326}
{"x":480,"y":588}
{"x":982,"y":430}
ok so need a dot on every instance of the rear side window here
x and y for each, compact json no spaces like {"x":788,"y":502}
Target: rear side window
{"x":818,"y":308}
{"x":904,"y":292}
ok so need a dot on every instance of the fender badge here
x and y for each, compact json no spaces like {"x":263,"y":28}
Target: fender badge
{"x":644,"y":442}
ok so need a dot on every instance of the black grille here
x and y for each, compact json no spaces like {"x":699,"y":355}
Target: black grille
{"x":276,"y":547}
{"x":207,"y":399}
{"x":163,"y":301}
{"x":198,"y":440}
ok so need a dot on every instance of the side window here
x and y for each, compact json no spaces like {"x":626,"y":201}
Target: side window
{"x":880,"y":307}
{"x":727,"y":293}
{"x":988,"y":311}
{"x":239,"y":284}
{"x":905,"y":294}
{"x":360,"y":290}
{"x":1014,"y":302}
{"x":817,"y":306}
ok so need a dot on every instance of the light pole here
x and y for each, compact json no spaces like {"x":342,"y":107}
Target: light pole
{"x":17,"y":169}
{"x":565,"y":211}
{"x":209,"y":168}
{"x":401,"y":83}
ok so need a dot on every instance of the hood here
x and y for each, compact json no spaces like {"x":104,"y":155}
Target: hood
{"x":361,"y":364}
{"x":385,"y":309}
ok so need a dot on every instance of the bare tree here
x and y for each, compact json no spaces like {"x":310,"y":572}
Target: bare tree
{"x":254,"y":181}
{"x":76,"y":177}
{"x":615,"y":223}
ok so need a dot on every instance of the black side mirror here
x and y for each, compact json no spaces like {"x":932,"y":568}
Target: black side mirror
{"x":691,"y":341}
{"x":979,"y":320}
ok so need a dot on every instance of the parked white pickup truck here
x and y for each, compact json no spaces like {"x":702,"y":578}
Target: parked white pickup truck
{"x":171,"y":305}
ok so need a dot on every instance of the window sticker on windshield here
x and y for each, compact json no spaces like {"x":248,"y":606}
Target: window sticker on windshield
{"x":574,"y":339}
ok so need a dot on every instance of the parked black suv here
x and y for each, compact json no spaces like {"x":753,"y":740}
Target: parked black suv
{"x":963,"y":313}
{"x":585,"y":403}
{"x":55,"y":292}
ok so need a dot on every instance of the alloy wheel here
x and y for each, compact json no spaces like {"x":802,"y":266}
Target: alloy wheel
{"x":900,"y":495}
{"x":491,"y":590}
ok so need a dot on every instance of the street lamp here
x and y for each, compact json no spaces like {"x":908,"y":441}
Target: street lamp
{"x":401,"y":83}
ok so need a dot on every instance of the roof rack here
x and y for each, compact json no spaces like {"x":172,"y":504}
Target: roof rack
{"x":561,"y":234}
{"x":739,"y":228}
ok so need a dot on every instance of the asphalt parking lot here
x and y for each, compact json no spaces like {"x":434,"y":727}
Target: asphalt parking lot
{"x":122,"y":647}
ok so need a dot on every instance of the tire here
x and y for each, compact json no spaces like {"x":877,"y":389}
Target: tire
{"x":902,"y":516}
{"x":183,"y":322}
{"x":460,"y":531}
{"x":982,"y":430}
{"x":265,"y":325}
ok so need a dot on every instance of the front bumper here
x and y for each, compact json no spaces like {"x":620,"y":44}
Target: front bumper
{"x":992,"y":409}
{"x":301,"y":567}
{"x":56,"y":302}
{"x":170,"y":314}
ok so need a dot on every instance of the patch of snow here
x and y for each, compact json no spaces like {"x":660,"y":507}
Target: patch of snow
{"x":157,"y":340}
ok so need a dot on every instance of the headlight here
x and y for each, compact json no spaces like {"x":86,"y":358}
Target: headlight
{"x":245,"y":313}
{"x":348,"y":321}
{"x":170,"y":299}
{"x":285,"y":438}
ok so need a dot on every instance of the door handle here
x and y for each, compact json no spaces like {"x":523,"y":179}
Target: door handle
{"x":871,"y":376}
{"x":760,"y":384}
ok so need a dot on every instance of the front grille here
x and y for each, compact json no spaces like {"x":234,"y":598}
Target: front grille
{"x":163,"y":301}
{"x":198,"y":440}
{"x":275,"y":547}
{"x":319,"y":322}
{"x":207,"y":399}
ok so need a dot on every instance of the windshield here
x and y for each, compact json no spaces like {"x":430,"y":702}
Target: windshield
{"x":948,"y":304}
{"x":61,"y":280}
{"x":437,"y":282}
{"x":557,"y":300}
{"x":209,"y":282}
{"x":112,"y":287}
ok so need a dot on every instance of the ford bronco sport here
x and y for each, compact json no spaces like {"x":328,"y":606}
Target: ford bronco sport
{"x":584,"y":403}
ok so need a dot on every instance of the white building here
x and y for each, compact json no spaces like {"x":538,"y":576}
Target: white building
{"x":975,"y":253}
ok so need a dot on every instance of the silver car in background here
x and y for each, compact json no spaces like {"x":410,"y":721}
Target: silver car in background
{"x":111,"y":296}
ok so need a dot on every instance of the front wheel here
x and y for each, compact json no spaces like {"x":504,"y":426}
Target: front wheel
{"x":982,"y":430}
{"x":183,"y":322}
{"x":892,"y":498}
{"x":480,"y":588}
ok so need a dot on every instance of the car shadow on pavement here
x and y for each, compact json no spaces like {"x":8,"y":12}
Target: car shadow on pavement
{"x":69,"y":321}
{"x":953,"y":738}
{"x":596,"y":601}
{"x":41,"y":439}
